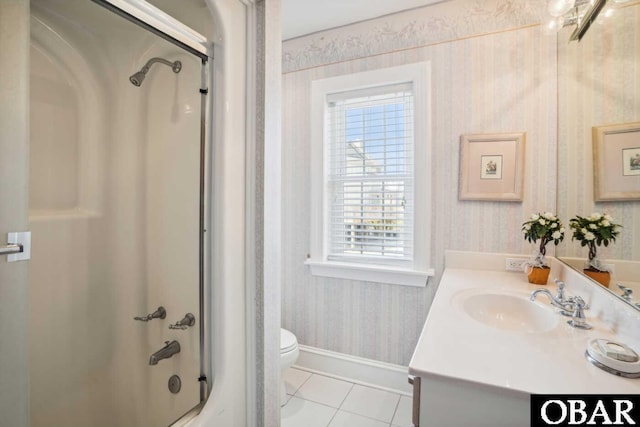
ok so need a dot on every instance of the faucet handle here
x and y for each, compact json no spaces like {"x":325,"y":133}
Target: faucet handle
{"x":574,"y":301}
{"x":560,"y":295}
{"x":578,"y":319}
{"x":187,"y":321}
{"x":626,"y":292}
{"x":160,"y":313}
{"x":579,"y":302}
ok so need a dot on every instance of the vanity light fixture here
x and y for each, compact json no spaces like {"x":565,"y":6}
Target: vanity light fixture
{"x":581,"y":13}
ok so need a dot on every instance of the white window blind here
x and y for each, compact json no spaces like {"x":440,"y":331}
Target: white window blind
{"x":370,"y":174}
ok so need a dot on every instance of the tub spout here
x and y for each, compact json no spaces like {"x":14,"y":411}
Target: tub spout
{"x":170,"y":348}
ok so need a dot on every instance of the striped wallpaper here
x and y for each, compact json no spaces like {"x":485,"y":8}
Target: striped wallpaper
{"x":499,"y":80}
{"x":497,"y":74}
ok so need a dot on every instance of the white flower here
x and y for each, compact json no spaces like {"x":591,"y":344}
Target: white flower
{"x":589,"y":236}
{"x":605,"y":223}
{"x":556,"y":235}
{"x":595,"y":216}
{"x":527,"y":227}
{"x":616,"y":229}
{"x":583,"y":230}
{"x":554,"y":224}
{"x":524,"y":231}
{"x":548,"y":215}
{"x":562,"y":229}
{"x":608,"y":217}
{"x":593,"y":226}
{"x":535,"y":217}
{"x":542,"y":221}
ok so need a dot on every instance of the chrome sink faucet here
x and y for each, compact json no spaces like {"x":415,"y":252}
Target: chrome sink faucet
{"x":560,"y":300}
{"x":572,"y":306}
{"x":562,"y":304}
{"x":170,"y":348}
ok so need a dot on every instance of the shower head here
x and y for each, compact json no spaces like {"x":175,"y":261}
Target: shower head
{"x":137,"y":78}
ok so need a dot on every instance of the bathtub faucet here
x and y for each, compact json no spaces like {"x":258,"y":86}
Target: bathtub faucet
{"x":170,"y":348}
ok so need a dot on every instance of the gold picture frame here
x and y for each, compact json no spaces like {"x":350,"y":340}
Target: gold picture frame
{"x":616,"y":162}
{"x":492,"y":167}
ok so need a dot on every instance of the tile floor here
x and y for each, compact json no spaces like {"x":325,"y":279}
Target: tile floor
{"x":319,"y":401}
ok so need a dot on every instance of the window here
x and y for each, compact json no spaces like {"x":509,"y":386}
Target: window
{"x":370,"y":190}
{"x":370,"y":175}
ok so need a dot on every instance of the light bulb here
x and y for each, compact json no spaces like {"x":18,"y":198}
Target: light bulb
{"x":605,"y":16}
{"x":560,"y":7}
{"x":553,"y":25}
{"x":608,"y":13}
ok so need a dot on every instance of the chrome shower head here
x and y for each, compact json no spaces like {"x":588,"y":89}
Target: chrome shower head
{"x":137,"y":78}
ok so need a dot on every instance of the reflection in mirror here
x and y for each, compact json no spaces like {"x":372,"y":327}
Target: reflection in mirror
{"x":599,"y":84}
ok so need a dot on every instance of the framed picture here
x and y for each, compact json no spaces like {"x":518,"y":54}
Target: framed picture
{"x":616,"y":162}
{"x":491,"y":167}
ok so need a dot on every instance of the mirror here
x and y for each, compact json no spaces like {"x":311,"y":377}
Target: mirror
{"x":599,"y":84}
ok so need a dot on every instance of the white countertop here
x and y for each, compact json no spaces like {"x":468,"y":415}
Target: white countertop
{"x":454,"y":345}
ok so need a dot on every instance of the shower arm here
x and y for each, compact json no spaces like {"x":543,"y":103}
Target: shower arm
{"x":175,"y":66}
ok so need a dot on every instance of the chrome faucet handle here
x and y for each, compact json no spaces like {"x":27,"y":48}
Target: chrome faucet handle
{"x":560,"y":295}
{"x":187,"y":321}
{"x":626,"y":292}
{"x":578,"y":319}
{"x":160,"y":313}
{"x":572,"y":301}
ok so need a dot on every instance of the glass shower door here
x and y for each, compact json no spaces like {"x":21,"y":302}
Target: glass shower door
{"x":115,"y":219}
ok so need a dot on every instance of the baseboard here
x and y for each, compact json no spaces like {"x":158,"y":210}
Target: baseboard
{"x":385,"y":376}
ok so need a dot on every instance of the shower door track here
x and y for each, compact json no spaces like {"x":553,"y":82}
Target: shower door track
{"x":165,"y":26}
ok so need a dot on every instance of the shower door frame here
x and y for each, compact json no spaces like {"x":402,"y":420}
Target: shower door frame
{"x":163,"y":25}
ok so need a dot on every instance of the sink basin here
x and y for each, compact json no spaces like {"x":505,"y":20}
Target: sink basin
{"x":508,"y":312}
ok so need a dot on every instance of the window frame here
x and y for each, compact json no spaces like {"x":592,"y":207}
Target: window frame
{"x":418,"y":74}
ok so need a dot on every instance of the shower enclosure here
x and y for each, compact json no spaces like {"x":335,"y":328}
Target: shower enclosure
{"x":117,"y":214}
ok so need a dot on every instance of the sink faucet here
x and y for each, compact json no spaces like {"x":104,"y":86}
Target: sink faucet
{"x":573,"y":307}
{"x":564,"y":305}
{"x":170,"y":348}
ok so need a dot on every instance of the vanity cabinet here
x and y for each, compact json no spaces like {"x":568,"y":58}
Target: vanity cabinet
{"x":445,"y":402}
{"x":486,"y":347}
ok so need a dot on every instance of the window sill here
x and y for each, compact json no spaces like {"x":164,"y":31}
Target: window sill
{"x":370,"y":273}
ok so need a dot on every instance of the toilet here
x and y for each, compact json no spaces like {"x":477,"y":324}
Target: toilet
{"x":288,"y":356}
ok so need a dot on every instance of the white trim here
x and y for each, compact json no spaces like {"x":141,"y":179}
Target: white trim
{"x":230,"y":401}
{"x":370,"y":273}
{"x":367,"y":372}
{"x":420,"y":75}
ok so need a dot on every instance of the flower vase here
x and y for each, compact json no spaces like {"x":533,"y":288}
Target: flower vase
{"x":538,"y":275}
{"x":602,"y":277}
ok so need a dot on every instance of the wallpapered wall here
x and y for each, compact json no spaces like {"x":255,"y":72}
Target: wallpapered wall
{"x":492,"y":71}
